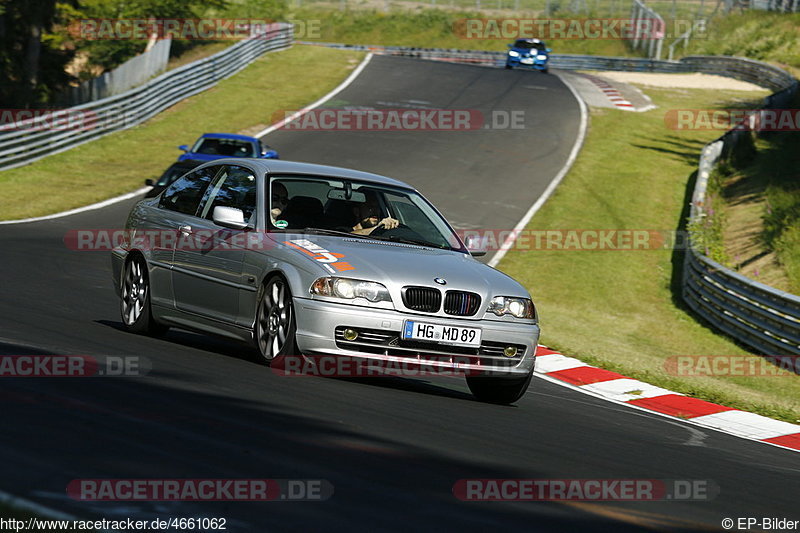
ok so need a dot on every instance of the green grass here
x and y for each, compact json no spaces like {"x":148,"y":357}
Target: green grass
{"x":774,"y":177}
{"x":772,"y":37}
{"x":120,"y":162}
{"x":428,"y":28}
{"x":622,"y":309}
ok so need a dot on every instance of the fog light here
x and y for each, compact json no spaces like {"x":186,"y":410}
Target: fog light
{"x":510,"y":351}
{"x":351,"y":334}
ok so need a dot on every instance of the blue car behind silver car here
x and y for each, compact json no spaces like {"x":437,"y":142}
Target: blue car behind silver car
{"x":528,"y":53}
{"x":304,"y":260}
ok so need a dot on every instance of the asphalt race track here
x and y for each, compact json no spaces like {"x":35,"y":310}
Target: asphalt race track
{"x":392,"y":448}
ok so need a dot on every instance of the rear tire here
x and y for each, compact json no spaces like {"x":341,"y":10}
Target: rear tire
{"x":135,"y":299}
{"x":498,"y":390}
{"x":275,"y":324}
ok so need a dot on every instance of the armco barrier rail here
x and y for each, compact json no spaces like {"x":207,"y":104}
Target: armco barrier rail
{"x":764,"y":318}
{"x":749,"y":70}
{"x":36,"y":140}
{"x":132,"y":73}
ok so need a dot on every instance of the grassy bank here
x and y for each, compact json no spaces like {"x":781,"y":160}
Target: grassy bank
{"x":621,"y":309}
{"x":110,"y":166}
{"x":429,"y":28}
{"x":772,"y":37}
{"x":761,"y":206}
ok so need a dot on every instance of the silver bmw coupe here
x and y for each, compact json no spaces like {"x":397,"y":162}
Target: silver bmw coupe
{"x":305,"y":260}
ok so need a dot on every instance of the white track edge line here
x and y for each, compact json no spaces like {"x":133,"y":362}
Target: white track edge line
{"x":573,"y":155}
{"x":92,"y":207}
{"x":689,"y":421}
{"x":342,"y":86}
{"x":33,"y":507}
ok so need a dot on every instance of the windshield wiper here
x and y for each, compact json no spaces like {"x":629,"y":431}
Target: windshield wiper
{"x":334,"y":232}
{"x":406,"y":240}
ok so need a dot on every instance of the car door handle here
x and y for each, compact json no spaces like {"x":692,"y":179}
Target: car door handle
{"x":186,"y":230}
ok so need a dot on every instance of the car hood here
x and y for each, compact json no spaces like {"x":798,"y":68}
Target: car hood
{"x":397,"y":265}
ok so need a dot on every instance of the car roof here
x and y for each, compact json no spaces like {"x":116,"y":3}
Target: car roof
{"x":278,"y":166}
{"x":230,"y":136}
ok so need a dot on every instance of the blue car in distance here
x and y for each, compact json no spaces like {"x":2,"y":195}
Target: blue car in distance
{"x":211,"y":146}
{"x":528,"y":53}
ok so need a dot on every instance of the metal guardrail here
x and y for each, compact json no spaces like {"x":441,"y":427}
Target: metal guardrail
{"x":762,"y":317}
{"x":132,"y":73}
{"x":38,"y":139}
{"x":756,"y":72}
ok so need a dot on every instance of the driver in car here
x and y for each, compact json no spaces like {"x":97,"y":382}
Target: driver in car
{"x":368,"y":216}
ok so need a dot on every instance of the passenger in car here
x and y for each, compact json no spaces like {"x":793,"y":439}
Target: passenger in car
{"x":280,"y":198}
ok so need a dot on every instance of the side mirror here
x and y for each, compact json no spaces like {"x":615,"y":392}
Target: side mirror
{"x":475,"y":245}
{"x":148,"y":182}
{"x":510,"y":45}
{"x":549,"y":50}
{"x":229,"y":217}
{"x":183,"y":147}
{"x":270,"y":154}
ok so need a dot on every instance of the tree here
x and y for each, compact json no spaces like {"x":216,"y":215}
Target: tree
{"x":32,"y":59}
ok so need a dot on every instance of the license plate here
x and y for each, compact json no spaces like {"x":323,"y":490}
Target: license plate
{"x":457,"y":335}
{"x":527,"y":61}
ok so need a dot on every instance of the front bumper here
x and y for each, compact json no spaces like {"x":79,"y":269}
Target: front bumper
{"x":320,"y":325}
{"x":537,"y":64}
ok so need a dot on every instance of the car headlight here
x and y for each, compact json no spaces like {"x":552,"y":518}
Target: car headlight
{"x":513,"y":53}
{"x":507,"y":305}
{"x":349,"y":289}
{"x":541,"y":57}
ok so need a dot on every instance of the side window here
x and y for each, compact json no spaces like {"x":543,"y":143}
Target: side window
{"x":184,"y":195}
{"x":235,"y":187}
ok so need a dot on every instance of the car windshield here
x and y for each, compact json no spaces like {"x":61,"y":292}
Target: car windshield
{"x":225,"y":147}
{"x":363,"y":210}
{"x":172,"y":173}
{"x":528,"y":45}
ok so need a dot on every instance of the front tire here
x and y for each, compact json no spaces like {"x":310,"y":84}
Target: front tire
{"x":135,"y":299}
{"x":498,"y":390}
{"x":508,"y":67}
{"x":275,"y":321}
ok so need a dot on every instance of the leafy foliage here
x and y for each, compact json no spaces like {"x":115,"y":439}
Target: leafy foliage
{"x":32,"y":58}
